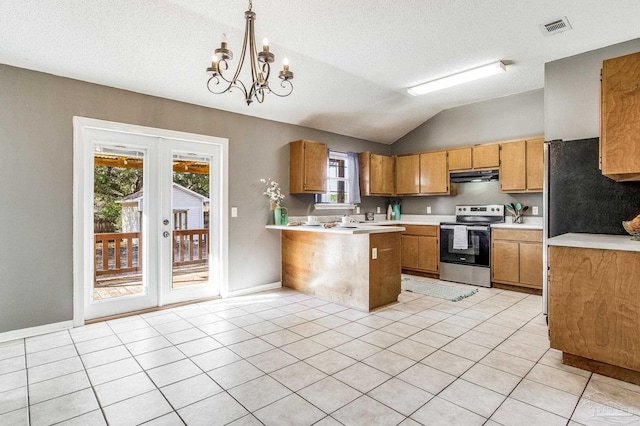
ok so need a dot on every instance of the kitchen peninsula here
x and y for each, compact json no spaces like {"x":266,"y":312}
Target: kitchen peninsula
{"x":357,"y":266}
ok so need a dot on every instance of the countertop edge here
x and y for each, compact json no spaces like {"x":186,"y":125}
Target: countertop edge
{"x":595,"y":241}
{"x":337,"y":230}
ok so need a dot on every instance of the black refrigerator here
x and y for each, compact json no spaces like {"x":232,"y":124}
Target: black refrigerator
{"x":579,"y":199}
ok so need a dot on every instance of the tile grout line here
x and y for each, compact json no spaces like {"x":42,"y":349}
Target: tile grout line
{"x":310,"y":338}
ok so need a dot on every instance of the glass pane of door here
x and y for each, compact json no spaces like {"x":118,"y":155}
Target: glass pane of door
{"x":117,"y":222}
{"x":190,"y":204}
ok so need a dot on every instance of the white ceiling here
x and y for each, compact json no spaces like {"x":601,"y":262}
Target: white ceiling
{"x":352,"y":59}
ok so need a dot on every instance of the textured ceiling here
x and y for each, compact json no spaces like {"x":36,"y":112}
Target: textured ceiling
{"x":352,"y":59}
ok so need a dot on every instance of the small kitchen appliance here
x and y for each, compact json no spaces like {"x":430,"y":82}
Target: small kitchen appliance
{"x":465,"y":245}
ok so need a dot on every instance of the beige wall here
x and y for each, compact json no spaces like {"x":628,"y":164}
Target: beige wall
{"x":572,"y":92}
{"x":36,"y":171}
{"x":509,"y":117}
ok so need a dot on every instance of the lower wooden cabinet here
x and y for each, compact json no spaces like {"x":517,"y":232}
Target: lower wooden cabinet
{"x":593,"y":309}
{"x":516,"y":257}
{"x":421,"y":248}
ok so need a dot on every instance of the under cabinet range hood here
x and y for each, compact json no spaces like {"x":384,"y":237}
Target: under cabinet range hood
{"x":474,"y":176}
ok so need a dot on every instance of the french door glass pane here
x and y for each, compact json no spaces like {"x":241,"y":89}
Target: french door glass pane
{"x":117,"y":223}
{"x":190,"y":204}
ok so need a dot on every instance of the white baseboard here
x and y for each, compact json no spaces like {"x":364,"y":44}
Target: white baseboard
{"x":34,"y":331}
{"x":252,"y":290}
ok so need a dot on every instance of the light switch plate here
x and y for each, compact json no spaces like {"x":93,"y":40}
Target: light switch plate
{"x":378,"y":210}
{"x":234,"y":212}
{"x":374,"y":253}
{"x":534,"y":210}
{"x":428,"y":209}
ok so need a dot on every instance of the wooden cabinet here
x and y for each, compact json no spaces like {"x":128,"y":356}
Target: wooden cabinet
{"x":516,"y":257}
{"x":422,"y":174}
{"x":620,"y":118}
{"x":513,"y":173}
{"x":434,"y":173}
{"x":460,"y":159}
{"x":521,"y":165}
{"x":486,"y":156}
{"x":421,"y":249}
{"x":593,"y":309}
{"x":377,"y":174}
{"x":475,"y":157}
{"x":535,"y":164}
{"x":307,"y":167}
{"x":408,"y":174}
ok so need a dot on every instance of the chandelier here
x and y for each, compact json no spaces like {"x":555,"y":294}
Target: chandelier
{"x":260,"y":67}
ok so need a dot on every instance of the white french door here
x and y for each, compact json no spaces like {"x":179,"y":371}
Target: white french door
{"x":152,"y":206}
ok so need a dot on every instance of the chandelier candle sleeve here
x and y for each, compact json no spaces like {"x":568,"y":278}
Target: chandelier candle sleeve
{"x":259,"y":62}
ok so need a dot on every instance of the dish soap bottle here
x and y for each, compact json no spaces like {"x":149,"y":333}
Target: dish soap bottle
{"x":389,"y":212}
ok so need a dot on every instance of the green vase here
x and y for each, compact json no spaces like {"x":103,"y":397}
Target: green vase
{"x":277,"y":215}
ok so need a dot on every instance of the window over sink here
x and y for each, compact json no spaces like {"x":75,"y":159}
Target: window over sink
{"x":343,"y":190}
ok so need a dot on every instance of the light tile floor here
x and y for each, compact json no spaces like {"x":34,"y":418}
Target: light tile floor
{"x":284,"y":358}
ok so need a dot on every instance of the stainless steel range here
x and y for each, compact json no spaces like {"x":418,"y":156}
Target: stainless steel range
{"x":465,"y":246}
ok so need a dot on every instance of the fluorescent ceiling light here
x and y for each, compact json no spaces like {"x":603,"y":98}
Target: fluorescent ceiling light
{"x":459,"y":78}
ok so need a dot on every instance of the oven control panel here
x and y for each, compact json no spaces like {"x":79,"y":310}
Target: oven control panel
{"x":490,"y":210}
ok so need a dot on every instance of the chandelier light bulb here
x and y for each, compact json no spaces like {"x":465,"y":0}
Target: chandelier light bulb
{"x":224,"y":37}
{"x":285,"y":64}
{"x":265,"y":44}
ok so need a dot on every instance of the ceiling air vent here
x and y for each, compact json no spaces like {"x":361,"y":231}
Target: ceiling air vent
{"x":555,"y":27}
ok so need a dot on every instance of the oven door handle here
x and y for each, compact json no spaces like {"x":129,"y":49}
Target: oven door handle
{"x":469,"y":227}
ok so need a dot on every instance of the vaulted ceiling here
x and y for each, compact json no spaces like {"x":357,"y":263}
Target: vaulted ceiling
{"x":352,"y":59}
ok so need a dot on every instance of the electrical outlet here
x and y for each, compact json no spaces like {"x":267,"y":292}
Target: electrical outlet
{"x":234,"y":212}
{"x":357,"y":209}
{"x":374,"y":253}
{"x":534,"y":210}
{"x":428,"y":209}
{"x":378,"y":210}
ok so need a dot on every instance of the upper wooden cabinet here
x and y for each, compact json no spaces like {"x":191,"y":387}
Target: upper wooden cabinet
{"x":513,"y":172}
{"x":434,"y":173}
{"x":474,"y":157}
{"x":307,"y":167}
{"x":486,"y":156}
{"x":408,"y":174}
{"x":620,"y":118}
{"x":521,"y":165}
{"x":377,"y":174}
{"x":535,"y":163}
{"x":460,"y":159}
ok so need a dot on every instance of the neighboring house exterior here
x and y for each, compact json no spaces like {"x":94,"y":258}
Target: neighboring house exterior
{"x":189,"y":209}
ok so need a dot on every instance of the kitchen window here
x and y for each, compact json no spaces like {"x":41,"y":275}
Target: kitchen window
{"x":343,"y":190}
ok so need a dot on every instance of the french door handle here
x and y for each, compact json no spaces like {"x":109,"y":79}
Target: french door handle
{"x":165,"y":222}
{"x":166,"y":234}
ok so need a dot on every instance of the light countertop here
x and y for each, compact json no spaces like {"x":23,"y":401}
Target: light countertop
{"x":596,"y":241}
{"x":356,"y":229}
{"x":531,"y":222}
{"x":517,"y":226}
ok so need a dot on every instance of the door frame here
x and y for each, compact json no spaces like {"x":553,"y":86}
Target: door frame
{"x":83,"y":216}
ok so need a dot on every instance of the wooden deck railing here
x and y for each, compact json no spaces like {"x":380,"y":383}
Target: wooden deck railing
{"x":117,"y":253}
{"x":121,"y":252}
{"x":190,"y":246}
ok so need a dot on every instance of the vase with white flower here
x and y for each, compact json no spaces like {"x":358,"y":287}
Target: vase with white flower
{"x":274,"y":194}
